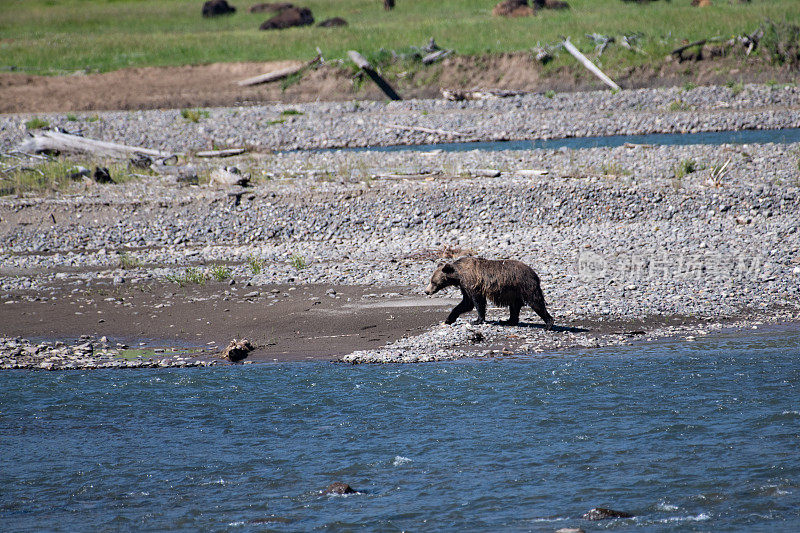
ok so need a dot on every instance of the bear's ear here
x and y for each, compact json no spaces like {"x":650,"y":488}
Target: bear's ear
{"x":448,"y":268}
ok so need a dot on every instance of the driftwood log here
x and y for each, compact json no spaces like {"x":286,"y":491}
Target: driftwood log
{"x":382,"y":84}
{"x":433,"y":57}
{"x":276,"y":75}
{"x":54,"y":141}
{"x":425,"y":130}
{"x":589,"y":65}
{"x":221,"y":153}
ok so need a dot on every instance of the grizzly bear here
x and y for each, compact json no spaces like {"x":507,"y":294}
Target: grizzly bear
{"x":507,"y":283}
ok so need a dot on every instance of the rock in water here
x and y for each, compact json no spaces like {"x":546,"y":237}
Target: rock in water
{"x":338,"y":488}
{"x":293,"y":16}
{"x":237,"y":350}
{"x":601,"y":513}
{"x":215,"y":8}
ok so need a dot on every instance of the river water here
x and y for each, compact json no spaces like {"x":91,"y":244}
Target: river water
{"x":698,"y":435}
{"x":781,"y":136}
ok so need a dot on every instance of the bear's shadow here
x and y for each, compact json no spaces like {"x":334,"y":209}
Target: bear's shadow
{"x":535,"y":325}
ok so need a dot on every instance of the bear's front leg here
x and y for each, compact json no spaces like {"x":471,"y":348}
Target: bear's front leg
{"x":465,"y":306}
{"x":480,"y":305}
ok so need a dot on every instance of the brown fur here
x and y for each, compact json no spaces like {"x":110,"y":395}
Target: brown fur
{"x":513,"y":8}
{"x":507,"y":283}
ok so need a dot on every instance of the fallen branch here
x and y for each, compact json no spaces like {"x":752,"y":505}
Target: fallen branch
{"x":433,"y":57}
{"x":221,"y":153}
{"x":54,"y":141}
{"x":589,"y":65}
{"x":678,"y":51}
{"x":382,"y":84}
{"x":425,"y":130}
{"x":276,"y":75}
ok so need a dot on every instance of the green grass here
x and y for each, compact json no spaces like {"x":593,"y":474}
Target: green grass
{"x":614,"y":169}
{"x":194,"y":115}
{"x":686,"y":166}
{"x":220,"y":273}
{"x":192,"y":275}
{"x":256,"y":265}
{"x":298,"y":261}
{"x":128,"y":261}
{"x":54,"y":37}
{"x":290,"y":112}
{"x":52,"y":175}
{"x":36,"y":123}
{"x":679,"y":105}
{"x":735,"y":87}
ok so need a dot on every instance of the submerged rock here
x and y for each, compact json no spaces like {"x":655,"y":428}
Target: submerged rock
{"x":601,"y":513}
{"x":339,"y":488}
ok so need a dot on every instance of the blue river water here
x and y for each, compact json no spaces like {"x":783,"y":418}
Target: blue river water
{"x":691,"y":436}
{"x":779,"y":136}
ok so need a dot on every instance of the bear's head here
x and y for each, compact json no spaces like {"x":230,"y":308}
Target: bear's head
{"x":444,"y":276}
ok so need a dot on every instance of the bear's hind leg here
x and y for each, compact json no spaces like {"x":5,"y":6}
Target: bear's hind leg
{"x":536,"y":301}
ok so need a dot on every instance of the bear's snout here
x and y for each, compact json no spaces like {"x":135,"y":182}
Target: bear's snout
{"x":430,"y":289}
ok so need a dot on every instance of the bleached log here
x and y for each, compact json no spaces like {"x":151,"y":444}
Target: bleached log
{"x":54,"y":141}
{"x":589,"y":65}
{"x":433,"y":57}
{"x":276,"y":75}
{"x":221,"y":153}
{"x":425,"y":130}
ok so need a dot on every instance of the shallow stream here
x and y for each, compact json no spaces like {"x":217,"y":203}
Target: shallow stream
{"x":684,"y":435}
{"x":781,"y":136}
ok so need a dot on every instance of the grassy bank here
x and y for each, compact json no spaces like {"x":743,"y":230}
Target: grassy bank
{"x":48,"y":37}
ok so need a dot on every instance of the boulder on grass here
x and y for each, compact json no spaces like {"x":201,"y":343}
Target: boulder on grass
{"x":335,"y":22}
{"x":513,"y":8}
{"x":293,"y":16}
{"x":268,"y":7}
{"x":215,"y":8}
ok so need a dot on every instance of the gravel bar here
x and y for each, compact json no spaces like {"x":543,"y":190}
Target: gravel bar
{"x":616,"y":234}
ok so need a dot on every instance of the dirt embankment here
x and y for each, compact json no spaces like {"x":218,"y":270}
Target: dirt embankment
{"x":214,"y":85}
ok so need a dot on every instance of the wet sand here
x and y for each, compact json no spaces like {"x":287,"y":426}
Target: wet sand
{"x":315,"y":322}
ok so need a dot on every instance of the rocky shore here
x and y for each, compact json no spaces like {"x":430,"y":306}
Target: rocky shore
{"x":631,"y":243}
{"x":85,"y":353}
